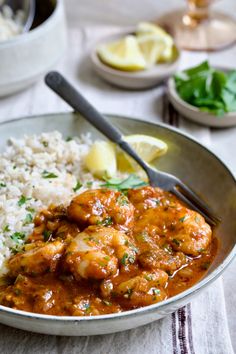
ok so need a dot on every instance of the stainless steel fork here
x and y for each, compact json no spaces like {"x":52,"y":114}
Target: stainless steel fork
{"x":156,"y":178}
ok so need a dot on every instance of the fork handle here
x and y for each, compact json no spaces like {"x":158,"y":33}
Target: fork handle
{"x":74,"y":98}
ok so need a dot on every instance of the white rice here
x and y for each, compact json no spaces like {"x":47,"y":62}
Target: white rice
{"x":24,"y":190}
{"x":11,"y":24}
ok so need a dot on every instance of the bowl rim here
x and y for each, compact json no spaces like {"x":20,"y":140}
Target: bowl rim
{"x":158,"y":70}
{"x":30,"y":35}
{"x":147,"y":309}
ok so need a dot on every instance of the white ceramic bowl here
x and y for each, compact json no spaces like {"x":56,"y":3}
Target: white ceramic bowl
{"x":189,"y":161}
{"x":25,"y":58}
{"x":194,"y":114}
{"x":133,"y":80}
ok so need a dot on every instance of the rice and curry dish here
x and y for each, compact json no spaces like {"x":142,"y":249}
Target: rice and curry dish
{"x":73,"y":245}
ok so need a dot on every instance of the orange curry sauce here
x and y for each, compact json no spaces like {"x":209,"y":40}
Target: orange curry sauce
{"x":109,"y":252}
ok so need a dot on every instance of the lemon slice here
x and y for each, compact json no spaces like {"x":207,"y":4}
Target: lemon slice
{"x":147,"y":147}
{"x":146,"y":29}
{"x":124,"y":54}
{"x":101,"y":159}
{"x":152,"y":48}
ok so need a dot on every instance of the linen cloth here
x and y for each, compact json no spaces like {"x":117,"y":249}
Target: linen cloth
{"x":198,"y":328}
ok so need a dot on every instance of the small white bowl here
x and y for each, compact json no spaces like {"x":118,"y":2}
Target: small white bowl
{"x":25,"y":58}
{"x":195,"y":114}
{"x":133,"y":80}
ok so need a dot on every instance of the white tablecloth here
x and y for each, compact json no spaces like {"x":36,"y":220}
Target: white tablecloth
{"x":143,"y":104}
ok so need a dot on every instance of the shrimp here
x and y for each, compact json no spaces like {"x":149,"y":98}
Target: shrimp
{"x":170,"y":222}
{"x":161,"y":259}
{"x":144,"y":289}
{"x":102,"y":206}
{"x":37,"y":260}
{"x":97,"y":252}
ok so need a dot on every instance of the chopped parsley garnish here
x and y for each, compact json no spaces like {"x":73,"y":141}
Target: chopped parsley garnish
{"x":105,"y":222}
{"x":87,"y":308}
{"x":89,"y":184}
{"x":108,"y":303}
{"x":47,"y":174}
{"x":69,"y":138}
{"x":17,"y":236}
{"x":142,"y":237}
{"x":156,"y":201}
{"x":2,"y":185}
{"x":122,"y":200}
{"x":175,"y":241}
{"x":77,"y":186}
{"x":28,"y":219}
{"x":127,"y":259}
{"x":197,"y":219}
{"x":22,"y":200}
{"x":31,"y":210}
{"x":45,"y":143}
{"x":128,"y":294}
{"x":47,"y":234}
{"x":6,"y":228}
{"x":183,"y":218}
{"x":155,"y":291}
{"x":131,"y":182}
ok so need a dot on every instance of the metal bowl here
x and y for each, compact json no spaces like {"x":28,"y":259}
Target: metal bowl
{"x":188,"y":160}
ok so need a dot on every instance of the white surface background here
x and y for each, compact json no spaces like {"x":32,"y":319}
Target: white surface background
{"x":82,"y":16}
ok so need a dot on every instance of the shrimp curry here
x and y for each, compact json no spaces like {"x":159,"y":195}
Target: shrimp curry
{"x":108,"y":252}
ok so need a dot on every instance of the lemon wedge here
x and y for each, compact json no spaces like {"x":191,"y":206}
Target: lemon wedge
{"x":147,"y":147}
{"x":148,"y":32}
{"x":101,"y":159}
{"x":152,"y":48}
{"x":124,"y":54}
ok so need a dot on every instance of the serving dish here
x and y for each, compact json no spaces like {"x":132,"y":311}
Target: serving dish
{"x":194,"y":114}
{"x":28,"y":56}
{"x":132,"y":80}
{"x":182,"y":150}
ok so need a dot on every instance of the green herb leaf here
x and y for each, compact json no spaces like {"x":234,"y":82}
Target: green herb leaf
{"x":122,"y":200}
{"x":69,"y":138}
{"x":176,"y":242}
{"x":77,"y":186}
{"x":17,"y":236}
{"x":208,"y":89}
{"x":47,"y":174}
{"x":31,"y":210}
{"x":131,"y":182}
{"x":155,"y":291}
{"x":185,"y":217}
{"x":47,"y":234}
{"x":6,"y":228}
{"x":106,"y":222}
{"x":2,"y":185}
{"x":107,"y":303}
{"x":127,"y":259}
{"x":22,"y":200}
{"x":28,"y":219}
